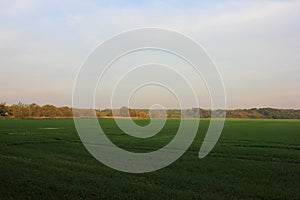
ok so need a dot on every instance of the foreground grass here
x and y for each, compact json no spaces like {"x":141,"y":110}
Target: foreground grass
{"x":254,"y":159}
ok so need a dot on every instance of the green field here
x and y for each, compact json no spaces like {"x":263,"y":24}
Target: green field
{"x":254,"y":159}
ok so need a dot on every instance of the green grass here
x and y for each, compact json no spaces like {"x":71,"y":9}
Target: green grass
{"x":254,"y":159}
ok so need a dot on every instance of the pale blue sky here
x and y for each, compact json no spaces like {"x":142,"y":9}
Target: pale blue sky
{"x":255,"y":44}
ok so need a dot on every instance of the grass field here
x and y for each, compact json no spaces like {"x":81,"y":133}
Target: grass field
{"x":254,"y":159}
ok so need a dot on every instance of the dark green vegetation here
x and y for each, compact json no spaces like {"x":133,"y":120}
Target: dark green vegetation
{"x":33,"y":110}
{"x":254,"y":159}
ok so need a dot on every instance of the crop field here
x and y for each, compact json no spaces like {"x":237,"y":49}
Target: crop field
{"x":253,"y":159}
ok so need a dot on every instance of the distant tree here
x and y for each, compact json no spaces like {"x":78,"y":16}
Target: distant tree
{"x":20,"y":110}
{"x":133,"y":112}
{"x":124,"y":112}
{"x":106,"y":112}
{"x":3,"y":109}
{"x":35,"y":110}
{"x":48,"y":111}
{"x":66,"y":111}
{"x":142,"y":114}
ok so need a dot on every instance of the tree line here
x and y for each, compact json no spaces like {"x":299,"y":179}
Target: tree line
{"x":21,"y":110}
{"x":34,"y":110}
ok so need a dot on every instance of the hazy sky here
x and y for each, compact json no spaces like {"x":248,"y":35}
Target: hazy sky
{"x":255,"y":44}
